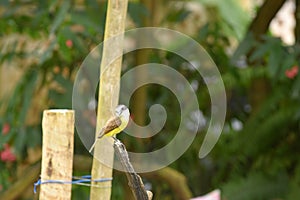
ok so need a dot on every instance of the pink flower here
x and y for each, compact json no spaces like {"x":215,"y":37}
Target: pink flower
{"x":214,"y":195}
{"x":7,"y":155}
{"x":69,"y":43}
{"x":292,"y":72}
{"x":5,"y":128}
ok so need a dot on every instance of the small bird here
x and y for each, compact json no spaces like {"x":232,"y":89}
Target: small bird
{"x":115,"y":124}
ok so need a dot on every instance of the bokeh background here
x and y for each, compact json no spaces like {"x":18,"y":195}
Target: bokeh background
{"x":255,"y":45}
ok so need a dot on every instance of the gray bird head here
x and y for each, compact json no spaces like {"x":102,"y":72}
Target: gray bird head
{"x":122,"y":110}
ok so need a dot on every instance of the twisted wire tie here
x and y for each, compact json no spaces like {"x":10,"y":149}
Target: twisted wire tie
{"x":78,"y":180}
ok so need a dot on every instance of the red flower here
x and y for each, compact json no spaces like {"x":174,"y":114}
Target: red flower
{"x":7,"y":155}
{"x":292,"y":72}
{"x":69,"y":43}
{"x":5,"y":128}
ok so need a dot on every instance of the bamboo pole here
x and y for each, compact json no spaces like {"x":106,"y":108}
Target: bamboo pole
{"x":57,"y":156}
{"x":108,"y":94}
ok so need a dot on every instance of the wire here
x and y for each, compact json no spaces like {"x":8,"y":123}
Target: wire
{"x":76,"y":180}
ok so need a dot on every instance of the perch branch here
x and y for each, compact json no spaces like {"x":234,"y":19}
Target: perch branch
{"x":135,"y":181}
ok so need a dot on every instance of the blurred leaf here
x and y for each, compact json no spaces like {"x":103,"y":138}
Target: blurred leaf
{"x":256,"y":186}
{"x":270,"y":130}
{"x":260,"y":52}
{"x":242,"y":77}
{"x":178,"y":15}
{"x":62,"y":98}
{"x":294,"y":190}
{"x":236,"y":21}
{"x":137,"y":12}
{"x":244,"y":47}
{"x":82,"y":18}
{"x":4,"y":2}
{"x":28,"y":93}
{"x":48,"y":53}
{"x":63,"y":10}
{"x":33,"y":136}
{"x":20,"y":140}
{"x":296,"y":86}
{"x":4,"y":139}
{"x":275,"y":60}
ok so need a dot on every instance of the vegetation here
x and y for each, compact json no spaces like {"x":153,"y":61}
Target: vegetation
{"x":43,"y":43}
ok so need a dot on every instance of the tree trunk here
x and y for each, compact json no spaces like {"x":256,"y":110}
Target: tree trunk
{"x":260,"y":87}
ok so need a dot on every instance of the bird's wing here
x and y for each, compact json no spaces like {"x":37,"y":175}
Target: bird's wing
{"x":110,"y":125}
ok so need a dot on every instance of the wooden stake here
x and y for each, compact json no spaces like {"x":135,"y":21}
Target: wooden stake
{"x":57,"y":157}
{"x":108,"y":94}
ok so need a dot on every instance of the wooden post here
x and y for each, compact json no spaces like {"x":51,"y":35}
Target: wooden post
{"x":57,"y":157}
{"x":108,"y":94}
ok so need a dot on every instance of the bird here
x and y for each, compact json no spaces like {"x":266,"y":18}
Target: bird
{"x":114,"y":125}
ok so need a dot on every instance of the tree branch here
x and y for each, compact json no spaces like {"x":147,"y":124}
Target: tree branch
{"x":135,"y":181}
{"x":266,"y":13}
{"x":297,"y":18}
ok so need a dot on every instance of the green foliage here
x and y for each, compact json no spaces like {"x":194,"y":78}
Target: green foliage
{"x":34,"y":37}
{"x":294,"y":191}
{"x":231,"y":23}
{"x":260,"y":161}
{"x":19,"y":104}
{"x":62,"y":98}
{"x":256,"y":186}
{"x":137,"y":11}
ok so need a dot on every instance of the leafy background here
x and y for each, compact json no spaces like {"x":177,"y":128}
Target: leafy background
{"x":43,"y":43}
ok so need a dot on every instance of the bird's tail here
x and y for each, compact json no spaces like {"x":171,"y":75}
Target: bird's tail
{"x":100,"y":135}
{"x":92,"y":147}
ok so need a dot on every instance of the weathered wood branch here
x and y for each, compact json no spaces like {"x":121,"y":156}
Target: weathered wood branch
{"x":134,"y":180}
